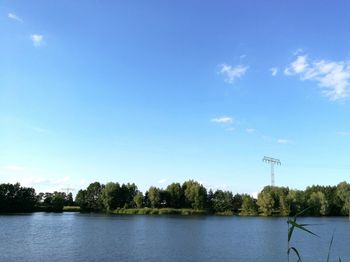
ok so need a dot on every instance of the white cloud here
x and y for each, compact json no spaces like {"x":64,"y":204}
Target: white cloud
{"x":298,"y":51}
{"x":274,"y":71}
{"x":162,"y":181}
{"x":14,"y":168}
{"x":250,"y":130}
{"x":34,"y":177}
{"x":61,"y":180}
{"x":15,"y":17}
{"x":283,"y":141}
{"x":343,"y":133}
{"x":222,"y":120}
{"x":83,"y":182}
{"x":298,"y":66}
{"x":332,"y":77}
{"x":231,"y":73}
{"x":216,"y":186}
{"x":38,"y":40}
{"x":254,"y":194}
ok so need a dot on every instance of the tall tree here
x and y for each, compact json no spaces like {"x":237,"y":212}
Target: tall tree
{"x":343,"y":194}
{"x":195,"y":194}
{"x":154,"y":196}
{"x":109,"y":196}
{"x":90,"y":199}
{"x":249,"y":206}
{"x":318,"y":204}
{"x":176,"y":195}
{"x":138,"y":200}
{"x":222,"y":201}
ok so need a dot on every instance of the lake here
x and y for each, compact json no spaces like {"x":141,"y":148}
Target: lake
{"x":95,"y":237}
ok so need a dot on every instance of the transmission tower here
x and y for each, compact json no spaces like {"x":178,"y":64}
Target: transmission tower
{"x":272,"y":162}
{"x":68,"y":190}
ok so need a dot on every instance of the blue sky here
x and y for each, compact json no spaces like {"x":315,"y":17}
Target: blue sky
{"x":155,"y":92}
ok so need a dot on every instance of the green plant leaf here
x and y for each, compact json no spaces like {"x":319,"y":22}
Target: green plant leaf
{"x":290,"y":233}
{"x":302,"y":227}
{"x":296,"y":252}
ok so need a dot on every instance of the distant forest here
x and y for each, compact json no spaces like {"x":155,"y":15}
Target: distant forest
{"x":15,"y":198}
{"x":191,"y":195}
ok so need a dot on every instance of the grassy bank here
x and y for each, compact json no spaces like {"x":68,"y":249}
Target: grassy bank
{"x":71,"y":209}
{"x":159,"y":211}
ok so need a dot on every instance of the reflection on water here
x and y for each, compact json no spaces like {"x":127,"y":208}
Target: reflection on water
{"x":93,"y":237}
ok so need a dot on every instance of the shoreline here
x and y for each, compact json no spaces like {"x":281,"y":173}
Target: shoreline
{"x":154,"y":212}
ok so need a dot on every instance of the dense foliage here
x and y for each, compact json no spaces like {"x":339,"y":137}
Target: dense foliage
{"x":15,"y":198}
{"x":180,"y":199}
{"x":54,"y":201}
{"x":191,"y":195}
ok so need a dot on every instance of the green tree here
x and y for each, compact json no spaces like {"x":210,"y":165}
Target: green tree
{"x":318,"y":204}
{"x":343,"y":194}
{"x":195,"y":194}
{"x":249,"y":206}
{"x":272,"y":201}
{"x":57,"y":201}
{"x":91,"y":198}
{"x":109,"y":196}
{"x":210,"y":197}
{"x":138,"y":200}
{"x":237,"y":203}
{"x":154,"y":196}
{"x":176,"y":195}
{"x":266,"y":201}
{"x":69,"y":200}
{"x":129,"y":192}
{"x":14,"y":198}
{"x":222,"y":201}
{"x":296,"y":201}
{"x":80,"y":199}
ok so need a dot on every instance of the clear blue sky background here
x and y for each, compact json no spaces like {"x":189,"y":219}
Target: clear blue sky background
{"x":155,"y":92}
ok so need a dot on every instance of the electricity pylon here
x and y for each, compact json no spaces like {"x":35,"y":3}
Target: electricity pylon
{"x":272,"y":162}
{"x":68,"y":190}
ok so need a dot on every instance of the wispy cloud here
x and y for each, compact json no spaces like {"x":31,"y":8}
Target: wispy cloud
{"x":231,"y":73}
{"x":38,"y":129}
{"x":250,"y":130}
{"x":15,"y":17}
{"x":38,"y":40}
{"x":343,"y":133}
{"x":16,"y":168}
{"x":34,"y":177}
{"x":333,"y":77}
{"x":274,"y":71}
{"x":222,"y":120}
{"x":283,"y":141}
{"x":162,"y":181}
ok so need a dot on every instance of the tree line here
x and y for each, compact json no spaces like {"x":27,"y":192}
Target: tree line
{"x":15,"y":198}
{"x":271,"y":201}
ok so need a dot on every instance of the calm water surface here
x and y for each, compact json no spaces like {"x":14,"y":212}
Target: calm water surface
{"x":85,"y":237}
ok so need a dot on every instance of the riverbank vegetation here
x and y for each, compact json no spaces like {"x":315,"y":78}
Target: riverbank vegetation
{"x":179,"y":198}
{"x":15,"y":198}
{"x":188,"y":198}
